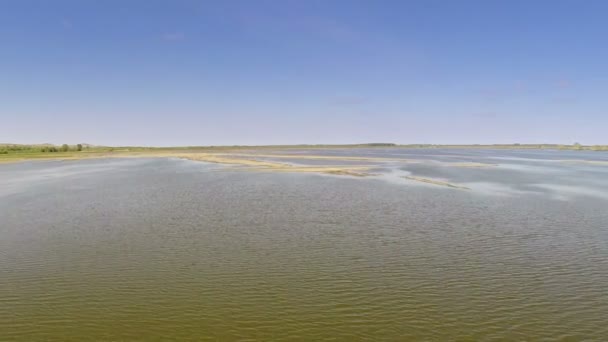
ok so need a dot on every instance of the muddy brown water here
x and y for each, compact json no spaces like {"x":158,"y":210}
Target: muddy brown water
{"x":167,"y":249}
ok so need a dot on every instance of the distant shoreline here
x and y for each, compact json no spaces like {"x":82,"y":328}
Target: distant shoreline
{"x":576,"y":147}
{"x":16,"y":153}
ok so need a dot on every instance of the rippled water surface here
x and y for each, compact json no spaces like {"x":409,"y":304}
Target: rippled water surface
{"x":168,"y":249}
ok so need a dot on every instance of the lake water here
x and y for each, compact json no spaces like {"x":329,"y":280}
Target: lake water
{"x":169,"y":249}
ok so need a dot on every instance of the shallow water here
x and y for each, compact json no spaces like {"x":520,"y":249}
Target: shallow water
{"x":151,"y":249}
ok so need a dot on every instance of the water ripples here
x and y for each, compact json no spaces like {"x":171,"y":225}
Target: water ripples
{"x":229,"y":256}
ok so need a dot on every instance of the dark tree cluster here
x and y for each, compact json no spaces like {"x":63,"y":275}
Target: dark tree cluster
{"x":63,"y":148}
{"x":49,"y":149}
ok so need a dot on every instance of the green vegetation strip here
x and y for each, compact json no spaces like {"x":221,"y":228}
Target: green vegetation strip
{"x":435,"y":182}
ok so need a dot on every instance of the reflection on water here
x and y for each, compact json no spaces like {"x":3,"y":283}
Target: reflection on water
{"x":152,"y":249}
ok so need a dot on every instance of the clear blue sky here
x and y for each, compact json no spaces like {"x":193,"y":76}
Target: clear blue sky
{"x":150,"y":72}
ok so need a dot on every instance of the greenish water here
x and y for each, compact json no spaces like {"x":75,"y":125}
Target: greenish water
{"x":163,"y":249}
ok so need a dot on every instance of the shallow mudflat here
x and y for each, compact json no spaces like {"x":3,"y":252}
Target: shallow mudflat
{"x":169,"y":248}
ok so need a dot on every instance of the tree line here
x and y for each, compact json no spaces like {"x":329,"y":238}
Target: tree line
{"x":14,"y":148}
{"x":62,"y":148}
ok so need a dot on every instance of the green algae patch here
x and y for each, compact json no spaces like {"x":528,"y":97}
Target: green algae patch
{"x":586,"y":162}
{"x":436,"y":182}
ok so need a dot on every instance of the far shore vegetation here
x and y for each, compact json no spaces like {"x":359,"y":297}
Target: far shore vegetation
{"x":44,"y":151}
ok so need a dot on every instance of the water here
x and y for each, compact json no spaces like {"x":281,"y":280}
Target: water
{"x":153,"y":249}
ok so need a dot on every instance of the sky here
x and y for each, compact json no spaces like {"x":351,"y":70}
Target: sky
{"x":251,"y":72}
